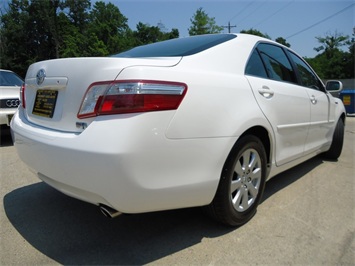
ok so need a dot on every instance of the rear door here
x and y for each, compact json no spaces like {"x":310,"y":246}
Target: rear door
{"x":285,"y":104}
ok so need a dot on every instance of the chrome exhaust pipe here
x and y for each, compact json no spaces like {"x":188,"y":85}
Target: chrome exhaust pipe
{"x":108,"y":211}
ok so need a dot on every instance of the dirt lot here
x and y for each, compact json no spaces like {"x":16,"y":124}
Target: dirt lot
{"x":306,"y":217}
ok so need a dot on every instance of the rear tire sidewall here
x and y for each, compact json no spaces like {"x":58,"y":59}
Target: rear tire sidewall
{"x":231,"y":215}
{"x":337,"y":142}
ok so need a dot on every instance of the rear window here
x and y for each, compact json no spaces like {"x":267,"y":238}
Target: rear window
{"x":178,"y":47}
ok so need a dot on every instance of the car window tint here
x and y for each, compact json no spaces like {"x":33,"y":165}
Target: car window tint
{"x":255,"y":66}
{"x":308,"y":78}
{"x":276,"y":62}
{"x":178,"y":47}
{"x":10,"y":79}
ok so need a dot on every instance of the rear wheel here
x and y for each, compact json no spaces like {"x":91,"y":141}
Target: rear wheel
{"x":242,"y":183}
{"x":337,"y":143}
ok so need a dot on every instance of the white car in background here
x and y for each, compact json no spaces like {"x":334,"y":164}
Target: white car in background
{"x":196,"y":121}
{"x":10,"y":84}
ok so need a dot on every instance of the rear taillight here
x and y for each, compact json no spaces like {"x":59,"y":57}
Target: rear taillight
{"x":22,"y":95}
{"x":132,"y":96}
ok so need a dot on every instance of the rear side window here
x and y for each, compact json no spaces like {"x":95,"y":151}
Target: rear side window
{"x":308,"y":78}
{"x":278,"y":67}
{"x":255,"y":66}
{"x":178,"y":47}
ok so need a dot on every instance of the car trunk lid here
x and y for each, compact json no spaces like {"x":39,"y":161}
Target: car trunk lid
{"x":55,"y":88}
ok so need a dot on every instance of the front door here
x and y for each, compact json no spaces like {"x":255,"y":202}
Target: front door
{"x":320,"y":130}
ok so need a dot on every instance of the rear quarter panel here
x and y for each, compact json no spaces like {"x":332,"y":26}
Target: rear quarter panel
{"x":219,"y":101}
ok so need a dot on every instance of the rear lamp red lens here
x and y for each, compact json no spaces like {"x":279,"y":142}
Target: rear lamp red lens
{"x":131,"y":97}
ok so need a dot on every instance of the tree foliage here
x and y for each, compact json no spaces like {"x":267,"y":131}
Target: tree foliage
{"x":282,"y":41}
{"x":146,"y":34}
{"x":14,"y":21}
{"x":34,"y":30}
{"x":109,"y":26}
{"x":331,"y":42}
{"x":201,"y":23}
{"x":333,"y":62}
{"x":256,"y":32}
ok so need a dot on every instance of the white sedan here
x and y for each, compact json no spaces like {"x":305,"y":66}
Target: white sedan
{"x":196,"y":121}
{"x":10,"y":84}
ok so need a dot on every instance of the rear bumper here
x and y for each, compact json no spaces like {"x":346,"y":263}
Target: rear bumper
{"x":125,"y":163}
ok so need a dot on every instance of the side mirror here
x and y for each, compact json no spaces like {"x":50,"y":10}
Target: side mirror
{"x":334,"y":86}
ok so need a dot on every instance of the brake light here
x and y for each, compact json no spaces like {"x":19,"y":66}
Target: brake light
{"x":22,"y":95}
{"x":131,"y":96}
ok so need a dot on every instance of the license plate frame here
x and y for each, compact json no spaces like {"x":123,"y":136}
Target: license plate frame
{"x":45,"y":103}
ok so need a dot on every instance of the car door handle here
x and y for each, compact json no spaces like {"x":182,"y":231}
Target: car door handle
{"x":266,"y":92}
{"x":313,"y":99}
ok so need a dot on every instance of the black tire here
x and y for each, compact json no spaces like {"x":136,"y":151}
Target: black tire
{"x":245,"y":167}
{"x":337,"y":143}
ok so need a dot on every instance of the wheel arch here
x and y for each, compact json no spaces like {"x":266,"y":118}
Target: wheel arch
{"x":215,"y":208}
{"x":264,"y":136}
{"x":343,"y":117}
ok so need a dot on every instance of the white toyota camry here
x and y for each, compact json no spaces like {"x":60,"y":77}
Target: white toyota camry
{"x":196,"y":121}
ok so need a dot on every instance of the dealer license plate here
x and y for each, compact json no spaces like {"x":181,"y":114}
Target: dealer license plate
{"x":45,"y":103}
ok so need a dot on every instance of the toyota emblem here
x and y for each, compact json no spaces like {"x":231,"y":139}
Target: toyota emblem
{"x":41,"y":75}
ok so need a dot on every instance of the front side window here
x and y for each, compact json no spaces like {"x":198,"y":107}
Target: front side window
{"x":277,"y":65}
{"x":308,"y":78}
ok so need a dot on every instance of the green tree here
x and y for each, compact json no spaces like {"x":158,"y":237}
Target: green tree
{"x":256,"y":32}
{"x":44,"y":35}
{"x":174,"y":33}
{"x":333,"y":62}
{"x":74,"y":42}
{"x":14,"y":32}
{"x":78,"y":13}
{"x":203,"y":24}
{"x":110,"y":26}
{"x":334,"y":67}
{"x":331,"y":43}
{"x":146,"y":34}
{"x":351,"y":60}
{"x":282,"y":41}
{"x":74,"y":21}
{"x":96,"y":47}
